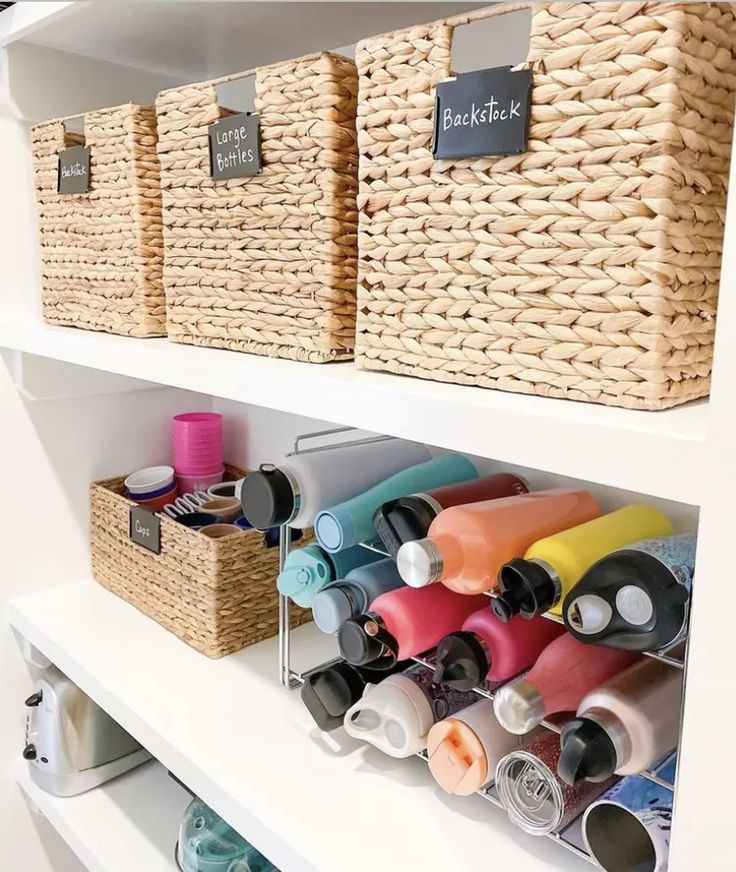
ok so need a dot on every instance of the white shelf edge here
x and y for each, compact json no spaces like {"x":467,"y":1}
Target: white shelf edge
{"x":24,"y":19}
{"x":129,"y":823}
{"x":249,"y":749}
{"x":632,"y":450}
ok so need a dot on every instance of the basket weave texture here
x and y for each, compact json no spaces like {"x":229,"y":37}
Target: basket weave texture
{"x":218,"y":595}
{"x":265,"y":264}
{"x":585,"y":268}
{"x":102,"y":251}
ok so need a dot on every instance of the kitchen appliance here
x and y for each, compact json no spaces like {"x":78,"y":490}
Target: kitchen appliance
{"x":72,"y":745}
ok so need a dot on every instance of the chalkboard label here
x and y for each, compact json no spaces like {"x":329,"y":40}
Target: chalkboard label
{"x":73,"y":170}
{"x":235,"y":150}
{"x":482,"y":113}
{"x":145,"y":529}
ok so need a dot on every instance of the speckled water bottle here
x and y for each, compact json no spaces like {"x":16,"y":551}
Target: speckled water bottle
{"x":636,"y":598}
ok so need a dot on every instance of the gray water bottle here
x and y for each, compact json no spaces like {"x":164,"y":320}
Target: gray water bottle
{"x":351,"y":596}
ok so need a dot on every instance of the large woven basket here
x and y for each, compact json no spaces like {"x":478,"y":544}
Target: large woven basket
{"x":265,"y":264}
{"x":588,"y":266}
{"x":102,"y":252}
{"x":218,"y":595}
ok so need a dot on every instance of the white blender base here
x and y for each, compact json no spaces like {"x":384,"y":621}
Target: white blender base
{"x":79,"y":782}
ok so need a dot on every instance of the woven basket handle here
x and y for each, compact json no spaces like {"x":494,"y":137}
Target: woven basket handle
{"x":487,"y":12}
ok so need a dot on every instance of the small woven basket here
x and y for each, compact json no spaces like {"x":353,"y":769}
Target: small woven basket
{"x":102,"y":251}
{"x":217,"y":595}
{"x":586,"y":267}
{"x":265,"y":264}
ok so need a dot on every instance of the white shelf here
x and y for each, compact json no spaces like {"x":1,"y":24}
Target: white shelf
{"x":648,"y":452}
{"x":248,"y":747}
{"x":128,"y":824}
{"x":197,"y":40}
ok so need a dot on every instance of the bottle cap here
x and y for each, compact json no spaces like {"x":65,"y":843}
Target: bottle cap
{"x":519,"y":706}
{"x":588,"y":753}
{"x":363,"y":640}
{"x":588,"y":613}
{"x":334,"y":529}
{"x":329,"y":693}
{"x":461,"y":661}
{"x":403,"y":520}
{"x":527,"y":588}
{"x":267,"y":498}
{"x":331,"y":608}
{"x":306,"y":571}
{"x":419,"y":563}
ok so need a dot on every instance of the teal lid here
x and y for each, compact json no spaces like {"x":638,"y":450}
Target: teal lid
{"x":306,"y":571}
{"x":208,"y":844}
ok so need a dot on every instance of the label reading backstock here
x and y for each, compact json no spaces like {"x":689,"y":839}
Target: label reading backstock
{"x":73,"y":177}
{"x":235,"y":147}
{"x":145,"y":529}
{"x":482,"y":113}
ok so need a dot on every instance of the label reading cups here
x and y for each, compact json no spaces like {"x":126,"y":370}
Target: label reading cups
{"x":235,"y":148}
{"x":482,"y":113}
{"x":144,"y":529}
{"x":73,"y":170}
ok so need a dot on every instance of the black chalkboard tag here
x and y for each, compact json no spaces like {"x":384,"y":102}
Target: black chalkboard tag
{"x":235,"y":148}
{"x":73,"y":175}
{"x":145,"y":529}
{"x":482,"y":113}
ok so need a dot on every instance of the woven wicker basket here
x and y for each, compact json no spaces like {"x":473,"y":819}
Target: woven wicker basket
{"x":218,"y":595}
{"x":102,"y":252}
{"x":265,"y":264}
{"x":588,"y":266}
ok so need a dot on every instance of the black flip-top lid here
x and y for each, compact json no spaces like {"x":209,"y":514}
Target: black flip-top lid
{"x":329,"y":693}
{"x":587,"y":752}
{"x":526,"y":589}
{"x":365,"y":642}
{"x":267,"y":498}
{"x":461,"y":661}
{"x":404,"y":520}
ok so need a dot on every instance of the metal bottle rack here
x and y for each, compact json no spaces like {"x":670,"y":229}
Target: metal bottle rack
{"x":675,"y":657}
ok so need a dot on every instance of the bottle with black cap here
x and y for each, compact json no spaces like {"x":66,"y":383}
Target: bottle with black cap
{"x":491,"y":650}
{"x":552,"y":566}
{"x":408,"y":518}
{"x":403,"y":623}
{"x":623,"y":726}
{"x":330,"y":692}
{"x":637,"y":598}
{"x":304,"y":484}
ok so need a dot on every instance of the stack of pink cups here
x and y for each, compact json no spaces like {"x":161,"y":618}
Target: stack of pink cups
{"x":197,"y":450}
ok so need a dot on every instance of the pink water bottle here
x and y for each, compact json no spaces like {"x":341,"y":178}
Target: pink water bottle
{"x":403,"y":623}
{"x":565,"y":671}
{"x":487,"y":648}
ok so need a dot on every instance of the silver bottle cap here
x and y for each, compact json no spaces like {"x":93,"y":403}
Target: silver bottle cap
{"x":519,"y":706}
{"x":419,"y":563}
{"x":530,"y":793}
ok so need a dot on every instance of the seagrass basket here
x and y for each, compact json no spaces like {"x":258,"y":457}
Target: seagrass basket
{"x":217,"y":595}
{"x":586,"y":267}
{"x":265,"y":264}
{"x":102,"y":251}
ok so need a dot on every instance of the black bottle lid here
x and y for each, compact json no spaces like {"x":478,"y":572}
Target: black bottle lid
{"x":526,"y":589}
{"x":329,"y":693}
{"x":267,"y":498}
{"x":364,"y":641}
{"x":461,"y":661}
{"x":587,"y":752}
{"x":404,"y":520}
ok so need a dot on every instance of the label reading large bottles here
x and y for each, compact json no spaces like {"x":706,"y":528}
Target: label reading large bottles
{"x":235,"y":147}
{"x":145,"y":529}
{"x":73,"y":170}
{"x":482,"y":113}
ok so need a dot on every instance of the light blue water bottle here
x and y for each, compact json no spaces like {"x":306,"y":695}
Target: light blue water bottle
{"x":351,"y":522}
{"x":310,"y":568}
{"x":351,"y":596}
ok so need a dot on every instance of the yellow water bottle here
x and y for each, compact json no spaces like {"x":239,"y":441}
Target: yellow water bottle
{"x":540,"y":580}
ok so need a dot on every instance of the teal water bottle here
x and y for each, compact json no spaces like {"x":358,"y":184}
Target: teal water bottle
{"x":310,"y":568}
{"x":351,"y":522}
